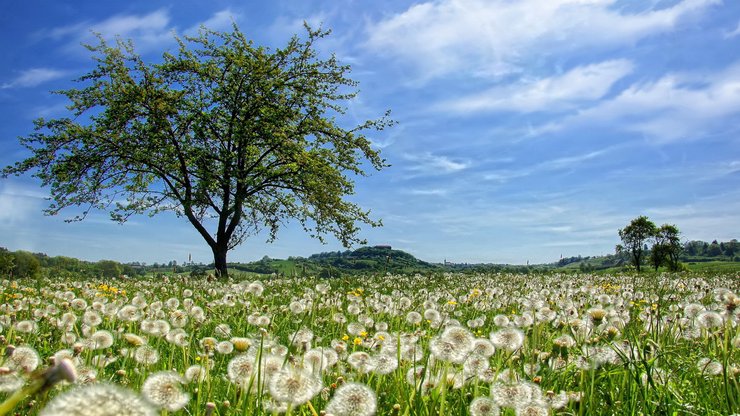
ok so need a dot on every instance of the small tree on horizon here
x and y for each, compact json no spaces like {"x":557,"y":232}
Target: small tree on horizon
{"x":233,"y":137}
{"x":667,"y":247}
{"x":634,"y":238}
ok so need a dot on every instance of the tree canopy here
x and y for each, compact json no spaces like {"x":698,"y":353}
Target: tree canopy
{"x":634,"y":238}
{"x":234,"y":137}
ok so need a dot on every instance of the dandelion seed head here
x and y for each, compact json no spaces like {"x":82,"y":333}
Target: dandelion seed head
{"x":353,"y":399}
{"x":484,"y":406}
{"x":99,"y":400}
{"x":24,"y":359}
{"x":146,"y":355}
{"x":164,"y":390}
{"x":294,"y":385}
{"x":508,"y":339}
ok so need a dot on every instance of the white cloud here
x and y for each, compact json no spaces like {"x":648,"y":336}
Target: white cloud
{"x":428,"y":192}
{"x":220,"y":21}
{"x":34,"y":77}
{"x":427,"y":163}
{"x":147,"y":31}
{"x":676,"y":106}
{"x":556,"y":93}
{"x":494,"y":37}
{"x":17,"y":204}
{"x":567,"y":162}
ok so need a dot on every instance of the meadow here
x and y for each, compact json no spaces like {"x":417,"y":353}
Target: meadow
{"x":443,"y":344}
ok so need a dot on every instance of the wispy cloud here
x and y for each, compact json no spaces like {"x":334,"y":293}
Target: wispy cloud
{"x":495,"y":37}
{"x":147,"y":31}
{"x":430,"y":164}
{"x":428,"y":192}
{"x":150,"y":31}
{"x":552,"y":94}
{"x":549,"y":165}
{"x":18,"y":203}
{"x":220,"y":21}
{"x":732,"y":33}
{"x":34,"y":77}
{"x":676,"y":106}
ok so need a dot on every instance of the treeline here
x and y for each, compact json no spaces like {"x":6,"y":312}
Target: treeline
{"x":24,"y":264}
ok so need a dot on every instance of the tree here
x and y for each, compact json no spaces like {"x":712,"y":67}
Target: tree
{"x":714,"y":249}
{"x":109,"y":268}
{"x":634,"y":236}
{"x":7,"y":262}
{"x":667,"y":247}
{"x":26,"y":265}
{"x":233,"y":137}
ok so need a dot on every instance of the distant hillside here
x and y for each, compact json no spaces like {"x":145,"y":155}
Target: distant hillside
{"x":364,"y":260}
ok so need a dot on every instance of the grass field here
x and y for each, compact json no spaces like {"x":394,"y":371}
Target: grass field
{"x":449,"y":344}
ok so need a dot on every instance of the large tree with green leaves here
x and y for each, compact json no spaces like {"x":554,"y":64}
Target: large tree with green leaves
{"x":234,"y":137}
{"x":634,"y":238}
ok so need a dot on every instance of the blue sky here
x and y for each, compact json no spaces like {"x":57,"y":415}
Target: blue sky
{"x":526,"y":129}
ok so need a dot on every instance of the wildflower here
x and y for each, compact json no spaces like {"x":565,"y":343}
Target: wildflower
{"x":532,"y":410}
{"x":302,"y":338}
{"x":511,"y":395}
{"x":195,"y":373}
{"x":79,"y":304}
{"x":509,"y":339}
{"x":164,"y":389}
{"x":555,"y":400}
{"x":709,"y":320}
{"x":133,"y":339}
{"x":240,"y":369}
{"x":360,"y":361}
{"x":353,"y":399}
{"x":25,"y":359}
{"x":223,"y":331}
{"x":178,"y":318}
{"x":224,"y":347}
{"x":475,"y":364}
{"x":146,"y":355}
{"x":383,"y":364}
{"x":92,"y":318}
{"x":99,"y":400}
{"x":241,"y":344}
{"x":483,"y":347}
{"x":99,"y":340}
{"x":501,"y":320}
{"x":172,"y":303}
{"x":483,"y":406}
{"x":413,"y":318}
{"x":26,"y":326}
{"x":198,"y":314}
{"x":129,"y":313}
{"x":294,"y":385}
{"x":9,"y":380}
{"x":709,"y":367}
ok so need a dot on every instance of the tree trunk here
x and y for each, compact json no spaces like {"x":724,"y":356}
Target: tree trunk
{"x":219,"y":261}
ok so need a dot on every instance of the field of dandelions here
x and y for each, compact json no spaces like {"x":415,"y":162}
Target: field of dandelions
{"x":498,"y":344}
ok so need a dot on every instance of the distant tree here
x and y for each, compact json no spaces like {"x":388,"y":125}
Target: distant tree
{"x":667,"y":247}
{"x":714,"y":250}
{"x":25,"y":264}
{"x":634,"y":237}
{"x":7,"y":262}
{"x":236,"y":138}
{"x":109,"y":268}
{"x":732,"y":247}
